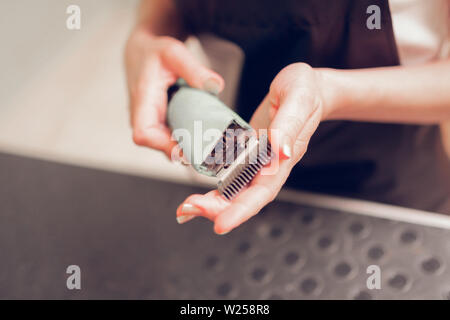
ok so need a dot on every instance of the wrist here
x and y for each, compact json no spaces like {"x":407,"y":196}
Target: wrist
{"x":334,"y":93}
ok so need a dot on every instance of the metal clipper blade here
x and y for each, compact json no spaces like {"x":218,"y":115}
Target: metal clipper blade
{"x":244,"y":168}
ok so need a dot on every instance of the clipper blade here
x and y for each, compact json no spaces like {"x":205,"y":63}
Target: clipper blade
{"x":244,"y":168}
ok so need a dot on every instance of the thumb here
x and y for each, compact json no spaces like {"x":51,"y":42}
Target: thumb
{"x":261,"y":117}
{"x":291,"y":109}
{"x":182,"y":62}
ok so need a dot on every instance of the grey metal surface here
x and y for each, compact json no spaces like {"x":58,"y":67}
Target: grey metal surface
{"x":121,"y":231}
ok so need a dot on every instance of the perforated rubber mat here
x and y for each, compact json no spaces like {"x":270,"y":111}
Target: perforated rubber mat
{"x":121,"y":231}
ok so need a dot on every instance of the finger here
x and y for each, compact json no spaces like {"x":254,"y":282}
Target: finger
{"x":250,"y":201}
{"x":158,"y":138}
{"x":294,"y":108}
{"x":261,"y":117}
{"x":208,"y":205}
{"x":148,"y":102}
{"x":182,"y":62}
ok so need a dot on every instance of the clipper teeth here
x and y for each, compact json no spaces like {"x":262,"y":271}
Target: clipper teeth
{"x":242,"y":174}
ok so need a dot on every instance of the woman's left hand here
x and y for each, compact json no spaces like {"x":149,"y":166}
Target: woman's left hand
{"x":299,"y":98}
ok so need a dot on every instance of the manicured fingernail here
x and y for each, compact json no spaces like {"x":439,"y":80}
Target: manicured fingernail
{"x":188,"y":209}
{"x":188,"y":212}
{"x":185,"y":218}
{"x":212,"y":85}
{"x":184,"y":162}
{"x":223,"y":233}
{"x":286,"y":148}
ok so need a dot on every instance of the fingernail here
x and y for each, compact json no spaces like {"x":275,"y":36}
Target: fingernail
{"x":212,"y":85}
{"x":188,"y":212}
{"x":185,"y":218}
{"x":188,"y":209}
{"x":286,"y":148}
{"x":184,"y":162}
{"x":223,"y":233}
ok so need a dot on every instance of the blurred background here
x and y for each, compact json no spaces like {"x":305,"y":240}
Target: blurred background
{"x":63,"y":92}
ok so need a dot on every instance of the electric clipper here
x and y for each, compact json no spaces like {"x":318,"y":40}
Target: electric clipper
{"x":230,"y":151}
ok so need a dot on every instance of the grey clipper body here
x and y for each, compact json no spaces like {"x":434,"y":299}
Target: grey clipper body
{"x":215,"y":139}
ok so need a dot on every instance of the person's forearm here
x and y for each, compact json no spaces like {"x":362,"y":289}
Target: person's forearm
{"x":391,"y":94}
{"x":159,"y":17}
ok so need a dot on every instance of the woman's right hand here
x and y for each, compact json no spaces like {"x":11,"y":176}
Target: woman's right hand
{"x":153,"y":64}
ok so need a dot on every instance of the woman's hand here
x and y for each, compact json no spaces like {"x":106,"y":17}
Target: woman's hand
{"x":298,"y":99}
{"x":152,"y":65}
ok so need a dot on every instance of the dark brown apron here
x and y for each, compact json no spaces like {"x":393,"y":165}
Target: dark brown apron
{"x":392,"y":163}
